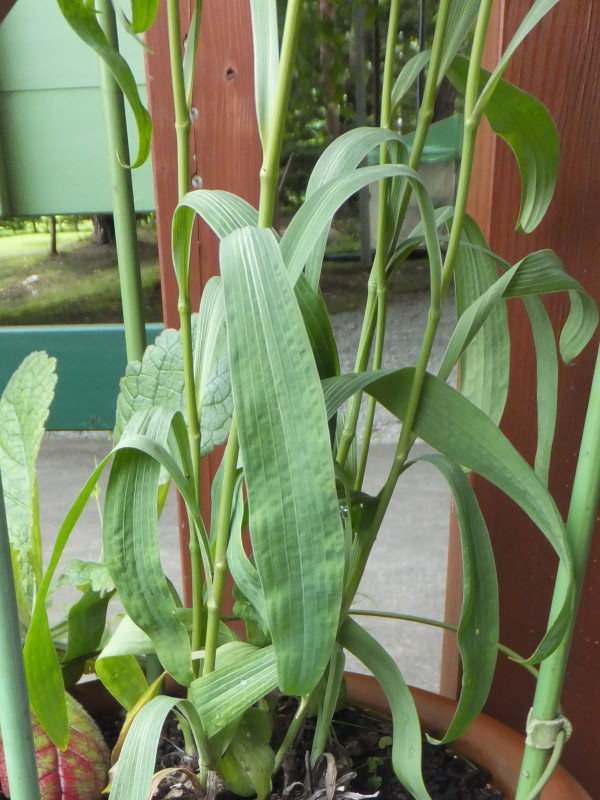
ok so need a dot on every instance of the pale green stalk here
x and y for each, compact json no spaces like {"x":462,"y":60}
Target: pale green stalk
{"x":406,"y":439}
{"x":122,"y":196}
{"x":436,"y":623}
{"x":269,"y":173}
{"x":376,"y":298}
{"x":292,"y":732}
{"x":15,"y":717}
{"x":215,"y":602}
{"x":580,"y":528}
{"x":184,"y":309}
{"x":182,"y":114}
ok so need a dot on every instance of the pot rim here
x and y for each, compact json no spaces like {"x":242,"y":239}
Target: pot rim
{"x":487,"y":742}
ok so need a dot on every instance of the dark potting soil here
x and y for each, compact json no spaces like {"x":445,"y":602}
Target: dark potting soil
{"x":358,"y":765}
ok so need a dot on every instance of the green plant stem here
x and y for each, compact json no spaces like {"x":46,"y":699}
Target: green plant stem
{"x":446,"y":626}
{"x":122,"y":196}
{"x":378,"y":275}
{"x":182,"y":114}
{"x":215,"y":602}
{"x":407,"y":437}
{"x":291,"y":732}
{"x":269,"y":174}
{"x":184,"y":308}
{"x":15,"y":716}
{"x":471,"y":126}
{"x":580,"y":528}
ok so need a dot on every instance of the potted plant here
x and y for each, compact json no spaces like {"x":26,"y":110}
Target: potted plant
{"x":258,"y":367}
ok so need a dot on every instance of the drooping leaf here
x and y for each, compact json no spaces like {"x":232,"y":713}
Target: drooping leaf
{"x":133,"y":775}
{"x":406,"y":748}
{"x":455,"y":427}
{"x":526,"y":126}
{"x":295,"y":526}
{"x":24,"y":409}
{"x":479,"y":617}
{"x":81,"y":16}
{"x":131,"y":544}
{"x":315,"y":215}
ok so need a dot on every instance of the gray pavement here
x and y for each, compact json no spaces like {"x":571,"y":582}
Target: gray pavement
{"x":406,"y":573}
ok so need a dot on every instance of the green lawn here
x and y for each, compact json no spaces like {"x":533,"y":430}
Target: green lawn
{"x":79,"y":285}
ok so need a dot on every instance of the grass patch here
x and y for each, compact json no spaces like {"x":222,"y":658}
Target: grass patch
{"x":79,"y":285}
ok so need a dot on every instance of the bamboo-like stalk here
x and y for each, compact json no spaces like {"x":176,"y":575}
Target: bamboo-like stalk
{"x":122,"y":196}
{"x":580,"y":528}
{"x":15,"y":716}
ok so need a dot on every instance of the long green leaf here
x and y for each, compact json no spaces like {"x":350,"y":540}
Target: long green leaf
{"x":408,"y":75}
{"x":406,"y":748}
{"x":537,"y":11}
{"x":461,"y":16}
{"x":239,"y":681}
{"x":265,"y":37}
{"x":485,"y":364}
{"x":44,"y":677}
{"x":81,"y":16}
{"x":295,"y":526}
{"x":132,"y":552}
{"x":455,"y":427}
{"x":478,"y":627}
{"x":135,"y":766}
{"x":526,"y":126}
{"x":315,"y":215}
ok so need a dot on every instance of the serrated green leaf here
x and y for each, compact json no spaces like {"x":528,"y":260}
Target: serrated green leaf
{"x":478,"y":627}
{"x":81,"y":16}
{"x":297,"y":540}
{"x":406,"y":750}
{"x":24,"y":408}
{"x":86,"y":575}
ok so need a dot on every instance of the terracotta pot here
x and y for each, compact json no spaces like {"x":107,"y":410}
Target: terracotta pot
{"x":487,"y":742}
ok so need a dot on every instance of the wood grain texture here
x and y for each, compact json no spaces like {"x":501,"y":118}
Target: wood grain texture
{"x":559,"y":63}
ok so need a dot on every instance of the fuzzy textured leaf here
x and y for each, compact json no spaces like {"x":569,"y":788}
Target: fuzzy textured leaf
{"x":24,"y":408}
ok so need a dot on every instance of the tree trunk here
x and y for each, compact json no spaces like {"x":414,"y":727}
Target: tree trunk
{"x":104,"y":229}
{"x":52,"y":229}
